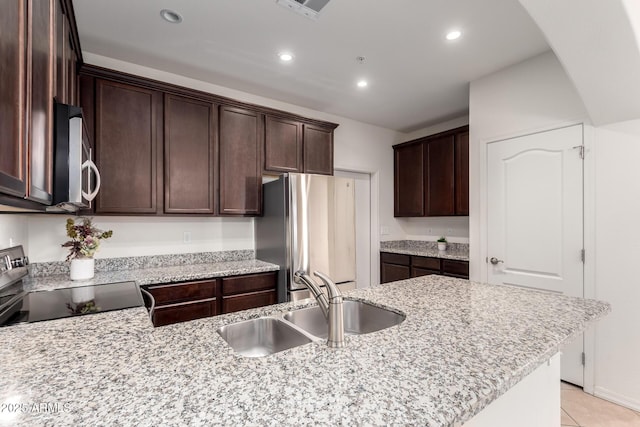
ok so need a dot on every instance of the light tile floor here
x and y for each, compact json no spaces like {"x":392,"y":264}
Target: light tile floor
{"x":583,"y":410}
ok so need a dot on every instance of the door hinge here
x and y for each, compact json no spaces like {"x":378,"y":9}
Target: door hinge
{"x":583,"y":358}
{"x":581,"y":148}
{"x":582,"y":255}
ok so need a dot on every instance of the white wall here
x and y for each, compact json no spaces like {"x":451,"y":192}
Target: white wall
{"x":135,"y":236}
{"x":13,"y":230}
{"x":617,"y":152}
{"x":537,"y":95}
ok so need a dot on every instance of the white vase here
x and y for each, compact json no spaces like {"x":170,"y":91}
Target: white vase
{"x":82,"y":269}
{"x":82,"y":294}
{"x":442,"y":246}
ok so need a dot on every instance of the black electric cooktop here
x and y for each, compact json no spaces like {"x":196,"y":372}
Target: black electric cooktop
{"x":78,"y":301}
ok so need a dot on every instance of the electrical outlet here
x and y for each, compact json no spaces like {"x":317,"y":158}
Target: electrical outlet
{"x":449,"y":230}
{"x":186,"y":237}
{"x":384,"y":230}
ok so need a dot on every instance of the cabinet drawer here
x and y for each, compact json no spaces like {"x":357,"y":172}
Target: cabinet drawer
{"x":425,"y":262}
{"x":455,"y":268}
{"x":182,"y":312}
{"x":180,"y":292}
{"x":399,"y":259}
{"x":252,"y":283}
{"x":247,"y":301}
{"x":417,"y":272}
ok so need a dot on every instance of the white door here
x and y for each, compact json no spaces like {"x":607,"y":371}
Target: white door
{"x":363,"y":225}
{"x":535,"y":217}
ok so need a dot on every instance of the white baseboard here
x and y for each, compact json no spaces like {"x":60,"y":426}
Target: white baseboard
{"x":616,"y":398}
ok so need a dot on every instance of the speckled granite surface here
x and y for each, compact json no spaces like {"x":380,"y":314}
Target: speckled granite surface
{"x":42,"y":269}
{"x":459,"y":251}
{"x":153,"y":275}
{"x":462,"y":345}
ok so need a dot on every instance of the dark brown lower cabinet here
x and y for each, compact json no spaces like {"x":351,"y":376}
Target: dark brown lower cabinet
{"x":417,"y":272}
{"x":394,"y":267}
{"x":246,"y":301}
{"x":184,"y":311}
{"x":181,"y":302}
{"x":392,"y":272}
{"x":399,"y":267}
{"x":454,"y":268}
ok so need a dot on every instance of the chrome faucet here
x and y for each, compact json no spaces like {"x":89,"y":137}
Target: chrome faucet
{"x":331,"y":307}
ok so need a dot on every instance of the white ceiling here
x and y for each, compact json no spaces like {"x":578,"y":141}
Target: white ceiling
{"x":416,"y":78}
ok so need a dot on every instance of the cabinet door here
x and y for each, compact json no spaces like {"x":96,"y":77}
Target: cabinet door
{"x":61,"y":41}
{"x":241,"y":133}
{"x":40,"y":89}
{"x":190,"y":129}
{"x":439,"y":183}
{"x":393,"y":272}
{"x":128,"y":126}
{"x":318,"y":150}
{"x":409,"y":180}
{"x":12,"y":97}
{"x":282,"y":145}
{"x":455,"y":268}
{"x":462,"y":173}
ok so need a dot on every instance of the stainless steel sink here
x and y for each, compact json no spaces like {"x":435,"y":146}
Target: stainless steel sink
{"x":359,"y":318}
{"x":262,"y":337}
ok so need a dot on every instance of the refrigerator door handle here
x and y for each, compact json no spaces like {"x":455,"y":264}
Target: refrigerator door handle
{"x":300,"y":225}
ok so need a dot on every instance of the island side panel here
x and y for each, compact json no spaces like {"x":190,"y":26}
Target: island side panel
{"x":533,"y":402}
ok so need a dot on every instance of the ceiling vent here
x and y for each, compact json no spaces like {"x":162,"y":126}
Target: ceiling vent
{"x":309,"y":8}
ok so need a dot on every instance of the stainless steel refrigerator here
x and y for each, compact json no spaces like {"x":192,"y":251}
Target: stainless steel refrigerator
{"x":308,"y":224}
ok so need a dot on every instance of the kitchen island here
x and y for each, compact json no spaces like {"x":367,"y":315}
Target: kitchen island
{"x":461,"y":346}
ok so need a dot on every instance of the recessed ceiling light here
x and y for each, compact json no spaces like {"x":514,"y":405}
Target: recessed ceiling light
{"x":171,"y":16}
{"x":454,"y":35}
{"x":362,"y":83}
{"x":285,"y":56}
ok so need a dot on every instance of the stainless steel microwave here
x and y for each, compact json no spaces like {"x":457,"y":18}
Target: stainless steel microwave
{"x":76,"y":180}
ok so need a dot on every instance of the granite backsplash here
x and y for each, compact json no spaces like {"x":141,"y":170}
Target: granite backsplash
{"x":42,"y":269}
{"x":422,"y":245}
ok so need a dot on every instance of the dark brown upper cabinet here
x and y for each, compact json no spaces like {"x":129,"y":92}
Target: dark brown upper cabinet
{"x":66,"y":61}
{"x":431,"y":175}
{"x":40,"y":91}
{"x":294,"y":146}
{"x":163,"y":149}
{"x":13,"y":157}
{"x":318,"y":149}
{"x":439,"y":168}
{"x":282,"y":145}
{"x":409,"y":180}
{"x":32,"y":35}
{"x":462,"y":173}
{"x":241,"y":133}
{"x":128,"y":127}
{"x":190,"y":142}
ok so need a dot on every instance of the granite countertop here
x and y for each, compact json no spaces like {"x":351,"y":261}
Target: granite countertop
{"x":456,"y":251}
{"x":154,"y":275}
{"x":461,"y":346}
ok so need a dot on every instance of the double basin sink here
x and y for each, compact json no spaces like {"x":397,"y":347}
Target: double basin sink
{"x":268,"y":335}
